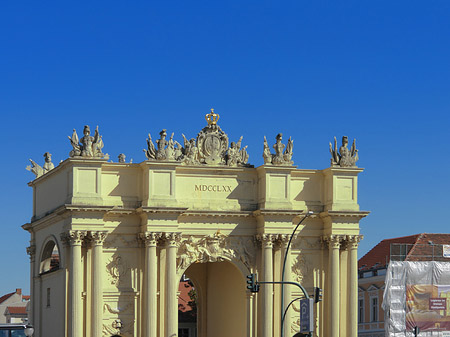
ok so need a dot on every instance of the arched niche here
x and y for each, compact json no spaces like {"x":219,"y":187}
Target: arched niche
{"x":50,"y":257}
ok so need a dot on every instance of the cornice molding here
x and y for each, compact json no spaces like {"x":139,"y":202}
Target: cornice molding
{"x":345,"y":214}
{"x":219,"y":214}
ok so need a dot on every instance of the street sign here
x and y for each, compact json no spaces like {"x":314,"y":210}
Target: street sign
{"x":306,"y":315}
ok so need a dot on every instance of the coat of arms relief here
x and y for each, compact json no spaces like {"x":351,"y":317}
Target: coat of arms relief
{"x":216,"y":248}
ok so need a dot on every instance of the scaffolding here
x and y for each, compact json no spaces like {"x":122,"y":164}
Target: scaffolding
{"x":419,"y":252}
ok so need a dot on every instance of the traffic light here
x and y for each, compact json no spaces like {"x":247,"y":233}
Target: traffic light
{"x":416,"y":331}
{"x":317,"y":294}
{"x":252,"y":283}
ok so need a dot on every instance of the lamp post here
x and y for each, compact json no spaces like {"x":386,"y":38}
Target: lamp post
{"x":284,"y":268}
{"x":29,"y":330}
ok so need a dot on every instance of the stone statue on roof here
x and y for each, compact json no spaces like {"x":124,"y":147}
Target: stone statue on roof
{"x":283,"y":153}
{"x":88,"y":146}
{"x":344,"y":157}
{"x":41,"y":170}
{"x":209,"y":148}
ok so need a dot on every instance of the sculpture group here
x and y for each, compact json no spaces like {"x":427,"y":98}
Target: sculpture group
{"x":210,"y":147}
{"x":344,"y":157}
{"x":87,"y":146}
{"x":280,"y":157}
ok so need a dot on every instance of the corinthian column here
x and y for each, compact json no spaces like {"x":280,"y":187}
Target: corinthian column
{"x":334,"y":243}
{"x":267,"y":251}
{"x":75,"y":239}
{"x":284,"y":239}
{"x":97,"y":238}
{"x":150,"y":285}
{"x":353,"y":241}
{"x":172,"y":284}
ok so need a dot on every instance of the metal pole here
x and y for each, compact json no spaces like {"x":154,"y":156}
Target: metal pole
{"x":284,"y":268}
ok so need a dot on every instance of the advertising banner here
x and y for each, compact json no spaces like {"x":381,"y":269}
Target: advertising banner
{"x":427,"y":307}
{"x":417,"y":294}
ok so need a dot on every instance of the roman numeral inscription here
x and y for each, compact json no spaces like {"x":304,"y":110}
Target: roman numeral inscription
{"x":213,"y":188}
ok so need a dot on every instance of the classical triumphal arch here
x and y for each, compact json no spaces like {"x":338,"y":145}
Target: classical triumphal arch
{"x":110,"y":241}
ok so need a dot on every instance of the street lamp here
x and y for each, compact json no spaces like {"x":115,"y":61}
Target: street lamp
{"x":284,"y":267}
{"x":29,"y":330}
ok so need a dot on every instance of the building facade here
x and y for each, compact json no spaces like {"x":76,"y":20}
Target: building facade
{"x":13,"y":307}
{"x":372,"y":269}
{"x":110,"y":242}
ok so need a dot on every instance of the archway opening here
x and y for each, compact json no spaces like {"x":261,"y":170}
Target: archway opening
{"x":187,"y":308}
{"x":220,"y":299}
{"x":50,"y":258}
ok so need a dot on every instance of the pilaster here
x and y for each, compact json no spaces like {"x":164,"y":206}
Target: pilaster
{"x":353,"y":242}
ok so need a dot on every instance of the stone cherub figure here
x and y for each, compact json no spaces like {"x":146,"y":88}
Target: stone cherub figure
{"x":87,"y":146}
{"x":237,"y":156}
{"x":37,"y":169}
{"x":280,"y":158}
{"x":345,"y":157}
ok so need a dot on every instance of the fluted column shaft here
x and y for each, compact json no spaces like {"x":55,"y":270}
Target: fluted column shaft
{"x":150,"y":300}
{"x":334,"y":245}
{"x":353,"y":284}
{"x":75,"y":239}
{"x":267,"y":251}
{"x":172,"y":285}
{"x":97,"y":239}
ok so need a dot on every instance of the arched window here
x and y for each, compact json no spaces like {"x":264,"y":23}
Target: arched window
{"x":50,"y":258}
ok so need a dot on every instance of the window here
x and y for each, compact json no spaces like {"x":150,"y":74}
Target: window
{"x":48,"y":297}
{"x":374,"y":309}
{"x":361,"y":310}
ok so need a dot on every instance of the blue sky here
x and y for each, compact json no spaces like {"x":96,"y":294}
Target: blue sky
{"x":376,"y":71}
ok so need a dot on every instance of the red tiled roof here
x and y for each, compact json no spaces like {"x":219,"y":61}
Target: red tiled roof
{"x":17,"y":310}
{"x":5,"y":297}
{"x":423,"y":246}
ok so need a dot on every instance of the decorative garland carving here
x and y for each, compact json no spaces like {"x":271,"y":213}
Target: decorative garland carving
{"x":215,"y":248}
{"x":107,"y":307}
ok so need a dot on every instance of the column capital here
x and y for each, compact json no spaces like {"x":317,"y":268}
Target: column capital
{"x":353,"y":241}
{"x":267,"y":240}
{"x":31,"y":250}
{"x":97,"y":237}
{"x":150,"y":239}
{"x":333,"y":241}
{"x":73,"y":237}
{"x":171,"y":239}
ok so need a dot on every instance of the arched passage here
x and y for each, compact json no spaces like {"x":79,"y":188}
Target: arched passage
{"x":222,"y":303}
{"x":50,"y":259}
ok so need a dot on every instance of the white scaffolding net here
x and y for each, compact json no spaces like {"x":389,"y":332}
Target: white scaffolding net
{"x":417,"y":294}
